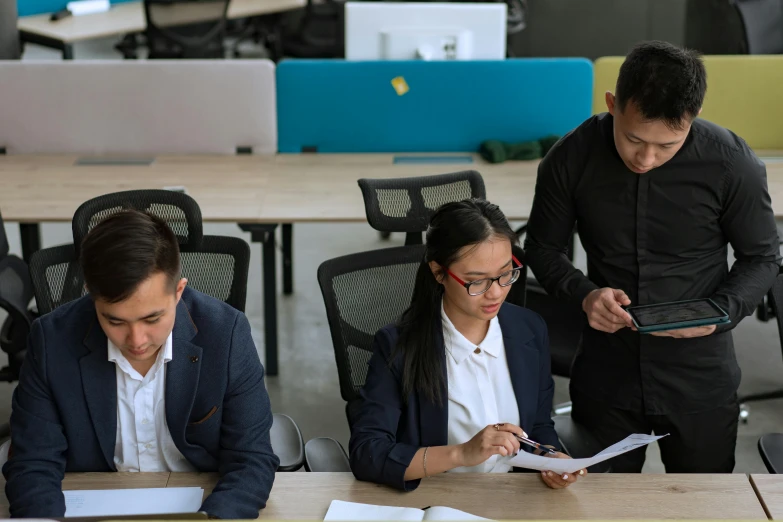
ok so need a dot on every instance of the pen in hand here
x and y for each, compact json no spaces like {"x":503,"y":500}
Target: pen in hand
{"x":535,"y":444}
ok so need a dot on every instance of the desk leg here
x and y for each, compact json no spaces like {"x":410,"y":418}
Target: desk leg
{"x":265,"y":234}
{"x":288,"y":258}
{"x":67,"y":52}
{"x":30,"y":235}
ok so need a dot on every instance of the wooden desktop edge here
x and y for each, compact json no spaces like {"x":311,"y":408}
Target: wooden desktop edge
{"x":759,"y":496}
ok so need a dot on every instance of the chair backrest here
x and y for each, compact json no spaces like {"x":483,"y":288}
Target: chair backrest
{"x":180,"y":211}
{"x":57,"y":277}
{"x":186,"y":28}
{"x":407,"y":204}
{"x":364,"y":292}
{"x":219,"y":269}
{"x":3,"y":240}
{"x":775,"y":297}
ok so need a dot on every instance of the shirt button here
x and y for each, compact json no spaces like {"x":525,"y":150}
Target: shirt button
{"x":145,"y":421}
{"x":477,"y":351}
{"x":148,"y":446}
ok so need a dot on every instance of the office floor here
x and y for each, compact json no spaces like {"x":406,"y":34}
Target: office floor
{"x":307,"y":388}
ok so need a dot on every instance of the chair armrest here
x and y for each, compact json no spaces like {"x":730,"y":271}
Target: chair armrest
{"x":287,"y":442}
{"x":325,"y":455}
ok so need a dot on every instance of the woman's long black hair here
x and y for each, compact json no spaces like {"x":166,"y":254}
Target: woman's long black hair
{"x":453,"y":227}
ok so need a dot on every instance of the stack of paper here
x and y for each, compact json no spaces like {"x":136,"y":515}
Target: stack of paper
{"x":530,"y":461}
{"x":350,"y":511}
{"x":118,"y":502}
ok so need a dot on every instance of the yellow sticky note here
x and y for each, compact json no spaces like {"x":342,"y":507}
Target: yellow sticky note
{"x":400,"y":85}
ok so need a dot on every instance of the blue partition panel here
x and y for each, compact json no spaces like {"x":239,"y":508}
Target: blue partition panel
{"x":415,"y":106}
{"x":34,"y":7}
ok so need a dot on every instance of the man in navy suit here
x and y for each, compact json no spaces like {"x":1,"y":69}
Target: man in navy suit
{"x":142,"y":374}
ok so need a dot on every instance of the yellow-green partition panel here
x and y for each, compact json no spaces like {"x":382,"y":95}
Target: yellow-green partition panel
{"x":744,"y":94}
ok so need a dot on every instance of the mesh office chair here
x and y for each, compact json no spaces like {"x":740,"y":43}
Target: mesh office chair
{"x":771,"y":445}
{"x":564,"y":322}
{"x":407,"y":204}
{"x":186,"y":28}
{"x":772,"y":307}
{"x":215,"y":265}
{"x":178,"y":210}
{"x":16,"y":292}
{"x":364,"y":292}
{"x":220,"y":270}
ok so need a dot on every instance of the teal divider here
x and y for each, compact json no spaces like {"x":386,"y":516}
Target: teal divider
{"x":416,"y":106}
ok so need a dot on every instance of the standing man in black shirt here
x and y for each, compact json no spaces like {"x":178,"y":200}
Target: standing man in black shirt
{"x":657,"y":195}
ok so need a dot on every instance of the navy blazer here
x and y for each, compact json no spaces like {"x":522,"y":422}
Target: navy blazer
{"x":64,"y":415}
{"x":387,"y":432}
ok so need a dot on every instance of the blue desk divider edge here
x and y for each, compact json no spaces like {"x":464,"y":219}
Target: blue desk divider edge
{"x":334,"y":106}
{"x":34,"y":7}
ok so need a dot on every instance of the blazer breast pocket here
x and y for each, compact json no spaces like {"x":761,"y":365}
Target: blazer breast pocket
{"x":206,"y":417}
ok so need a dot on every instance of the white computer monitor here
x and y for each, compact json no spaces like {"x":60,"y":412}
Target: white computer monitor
{"x":425,"y":31}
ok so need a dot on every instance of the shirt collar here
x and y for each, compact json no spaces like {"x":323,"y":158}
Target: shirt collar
{"x":166,"y":352}
{"x":460,"y":348}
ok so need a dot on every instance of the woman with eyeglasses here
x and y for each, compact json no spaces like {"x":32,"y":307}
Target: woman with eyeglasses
{"x":462,"y":374}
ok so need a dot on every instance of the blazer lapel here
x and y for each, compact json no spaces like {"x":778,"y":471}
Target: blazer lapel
{"x":434,"y":418}
{"x":99,"y":381}
{"x":182,"y":375}
{"x":523,"y":365}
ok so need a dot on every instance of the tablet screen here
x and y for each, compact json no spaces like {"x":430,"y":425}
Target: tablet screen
{"x":675,"y":313}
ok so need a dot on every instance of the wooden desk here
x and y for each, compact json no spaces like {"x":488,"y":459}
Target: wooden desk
{"x":258,"y":192}
{"x":769,"y":489}
{"x":516,"y":496}
{"x":126,"y":18}
{"x":258,"y":189}
{"x":77,"y":481}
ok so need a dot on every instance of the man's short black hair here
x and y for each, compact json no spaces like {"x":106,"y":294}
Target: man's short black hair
{"x":663,"y":81}
{"x":124,"y":250}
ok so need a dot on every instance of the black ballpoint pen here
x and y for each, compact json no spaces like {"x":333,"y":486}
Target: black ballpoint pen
{"x":535,"y":444}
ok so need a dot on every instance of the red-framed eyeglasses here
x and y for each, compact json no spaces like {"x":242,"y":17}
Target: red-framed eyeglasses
{"x":480,"y":286}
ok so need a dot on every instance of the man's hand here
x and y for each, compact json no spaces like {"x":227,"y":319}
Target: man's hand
{"x":687,"y":333}
{"x":604,"y":312}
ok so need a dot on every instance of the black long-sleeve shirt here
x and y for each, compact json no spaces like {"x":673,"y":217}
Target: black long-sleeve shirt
{"x":660,"y":236}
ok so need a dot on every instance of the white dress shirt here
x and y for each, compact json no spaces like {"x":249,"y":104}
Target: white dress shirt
{"x":143,"y":440}
{"x":479,"y":386}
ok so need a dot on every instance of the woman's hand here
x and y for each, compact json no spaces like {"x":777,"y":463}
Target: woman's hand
{"x":496,"y":439}
{"x":555,"y":481}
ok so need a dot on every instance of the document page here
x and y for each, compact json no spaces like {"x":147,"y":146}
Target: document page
{"x":448,"y":514}
{"x":340,"y":510}
{"x":530,"y":461}
{"x":351,"y":511}
{"x":149,"y":501}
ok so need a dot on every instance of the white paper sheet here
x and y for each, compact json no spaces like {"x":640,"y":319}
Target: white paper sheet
{"x":351,"y":511}
{"x":114,"y":502}
{"x":530,"y":461}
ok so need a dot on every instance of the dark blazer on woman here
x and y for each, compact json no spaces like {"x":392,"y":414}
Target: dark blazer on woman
{"x":387,"y":431}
